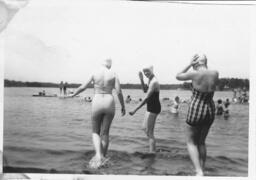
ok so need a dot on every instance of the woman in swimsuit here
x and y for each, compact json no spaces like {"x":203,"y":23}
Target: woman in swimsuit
{"x":153,"y":105}
{"x":201,"y":109}
{"x":103,"y":109}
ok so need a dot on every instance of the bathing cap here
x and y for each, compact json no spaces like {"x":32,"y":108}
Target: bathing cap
{"x":202,"y":60}
{"x":150,"y":68}
{"x":107,"y":63}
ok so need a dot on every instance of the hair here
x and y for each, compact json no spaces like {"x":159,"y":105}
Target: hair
{"x":219,"y":101}
{"x":201,"y":61}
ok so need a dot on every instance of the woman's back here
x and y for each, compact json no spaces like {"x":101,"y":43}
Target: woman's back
{"x":205,"y":80}
{"x":104,"y":81}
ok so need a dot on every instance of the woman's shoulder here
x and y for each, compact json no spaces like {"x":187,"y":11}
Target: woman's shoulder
{"x":207,"y":73}
{"x":154,"y":82}
{"x":213,"y":72}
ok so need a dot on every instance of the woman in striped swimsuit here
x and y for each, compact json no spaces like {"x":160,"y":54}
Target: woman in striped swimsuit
{"x":201,"y":109}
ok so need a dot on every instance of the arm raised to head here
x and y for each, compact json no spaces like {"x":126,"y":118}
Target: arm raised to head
{"x":144,"y":86}
{"x":184,"y":75}
{"x":119,"y":94}
{"x":82,"y":87}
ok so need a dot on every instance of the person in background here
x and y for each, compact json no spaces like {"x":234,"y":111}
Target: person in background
{"x":226,"y":109}
{"x":227,"y":102}
{"x":239,"y":94}
{"x":234,"y":98}
{"x":244,"y":96}
{"x":88,"y":99}
{"x":61,"y":87}
{"x":65,"y":86}
{"x":128,"y":99}
{"x":175,"y":105}
{"x":219,"y":107}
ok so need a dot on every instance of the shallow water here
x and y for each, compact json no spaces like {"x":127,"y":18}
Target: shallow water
{"x":52,"y":135}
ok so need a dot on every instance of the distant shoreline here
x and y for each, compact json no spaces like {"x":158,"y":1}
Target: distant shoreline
{"x":11,"y":83}
{"x":224,"y":84}
{"x":226,"y":90}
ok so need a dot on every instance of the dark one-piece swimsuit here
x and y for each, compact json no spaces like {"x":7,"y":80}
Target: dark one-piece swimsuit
{"x":153,"y":103}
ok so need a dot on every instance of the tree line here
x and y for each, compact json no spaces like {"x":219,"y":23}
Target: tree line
{"x":226,"y":84}
{"x":223,"y":84}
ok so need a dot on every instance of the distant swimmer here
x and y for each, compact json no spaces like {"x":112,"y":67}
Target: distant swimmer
{"x":201,"y":111}
{"x":103,"y":109}
{"x":244,"y":96}
{"x":226,"y":109}
{"x":219,"y":107}
{"x":166,"y":99}
{"x":152,"y":91}
{"x":227,"y":102}
{"x":234,"y":98}
{"x":175,"y":105}
{"x":88,"y":99}
{"x":65,"y":86}
{"x":42,"y":93}
{"x":128,"y":99}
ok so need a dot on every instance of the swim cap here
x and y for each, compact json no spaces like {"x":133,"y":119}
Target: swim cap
{"x":150,"y":68}
{"x":202,"y":60}
{"x":107,"y":62}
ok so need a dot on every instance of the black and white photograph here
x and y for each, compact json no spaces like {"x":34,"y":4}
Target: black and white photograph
{"x":115,"y":87}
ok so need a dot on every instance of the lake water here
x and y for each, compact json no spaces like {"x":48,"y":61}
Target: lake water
{"x":53,"y":135}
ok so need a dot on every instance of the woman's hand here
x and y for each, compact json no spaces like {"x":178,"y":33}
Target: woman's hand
{"x":123,"y":111}
{"x":140,"y":75}
{"x":132,"y":112}
{"x":194,"y":60}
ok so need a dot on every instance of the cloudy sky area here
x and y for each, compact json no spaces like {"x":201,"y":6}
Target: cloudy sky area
{"x":54,"y":40}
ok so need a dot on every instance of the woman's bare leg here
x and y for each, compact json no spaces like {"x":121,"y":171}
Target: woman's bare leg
{"x":149,"y":126}
{"x":97,"y":118}
{"x":192,"y":145}
{"x":96,"y":125}
{"x":107,"y":120}
{"x":201,"y":146}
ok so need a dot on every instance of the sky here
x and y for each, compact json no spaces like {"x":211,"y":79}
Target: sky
{"x":53,"y":41}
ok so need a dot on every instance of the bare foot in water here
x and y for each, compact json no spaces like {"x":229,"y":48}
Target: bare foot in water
{"x":200,"y":173}
{"x":96,"y":163}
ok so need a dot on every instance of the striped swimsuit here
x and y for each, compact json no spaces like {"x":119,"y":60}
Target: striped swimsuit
{"x":201,"y":109}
